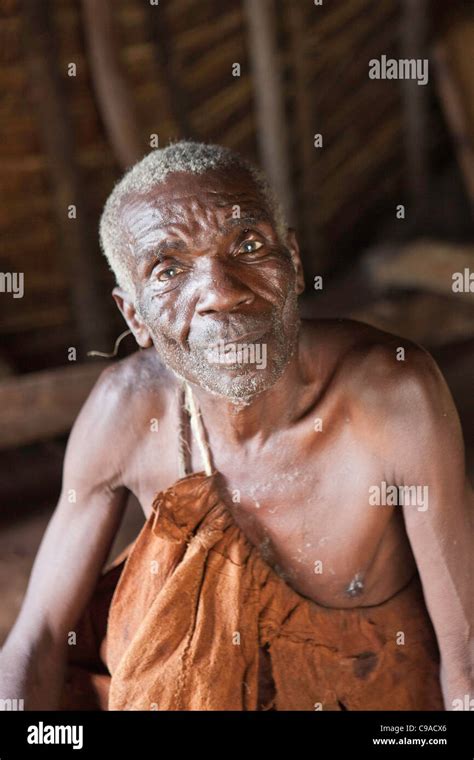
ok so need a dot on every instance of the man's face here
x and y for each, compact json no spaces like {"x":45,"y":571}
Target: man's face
{"x":215,"y":287}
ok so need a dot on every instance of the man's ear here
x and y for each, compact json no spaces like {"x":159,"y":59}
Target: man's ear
{"x":127,"y":307}
{"x":294,"y":249}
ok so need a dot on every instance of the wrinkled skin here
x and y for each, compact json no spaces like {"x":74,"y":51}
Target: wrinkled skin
{"x":204,"y":275}
{"x":302,"y":439}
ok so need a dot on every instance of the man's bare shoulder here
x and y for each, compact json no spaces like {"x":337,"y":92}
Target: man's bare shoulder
{"x":394,"y":396}
{"x":117,"y":411}
{"x":138,"y":376}
{"x":375,"y":370}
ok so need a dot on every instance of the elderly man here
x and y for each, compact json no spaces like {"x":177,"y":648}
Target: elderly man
{"x":308,"y":545}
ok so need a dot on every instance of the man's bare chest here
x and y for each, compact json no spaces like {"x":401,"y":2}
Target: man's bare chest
{"x":309,"y":517}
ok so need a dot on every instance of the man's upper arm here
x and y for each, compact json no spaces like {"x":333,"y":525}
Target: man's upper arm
{"x":82,"y":528}
{"x":430,"y":455}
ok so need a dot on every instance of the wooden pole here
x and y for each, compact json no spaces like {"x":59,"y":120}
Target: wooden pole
{"x":115,"y":100}
{"x":78,"y":243}
{"x":413,"y":38}
{"x":164,"y":54}
{"x":305,"y":128}
{"x":39,"y":405}
{"x":269,"y":101}
{"x":454,"y":104}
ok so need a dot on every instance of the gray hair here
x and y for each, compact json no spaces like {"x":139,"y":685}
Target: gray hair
{"x":152,"y":170}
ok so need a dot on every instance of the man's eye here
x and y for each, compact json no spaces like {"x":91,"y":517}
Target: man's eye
{"x":250,"y":246}
{"x":168,"y":274}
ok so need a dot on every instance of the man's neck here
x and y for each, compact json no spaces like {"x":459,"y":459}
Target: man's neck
{"x":255,"y":421}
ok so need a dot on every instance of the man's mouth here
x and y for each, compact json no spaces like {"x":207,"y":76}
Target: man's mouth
{"x":248,"y":337}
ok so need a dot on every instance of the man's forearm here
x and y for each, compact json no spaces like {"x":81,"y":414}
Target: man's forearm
{"x":457,"y":686}
{"x":33,"y":674}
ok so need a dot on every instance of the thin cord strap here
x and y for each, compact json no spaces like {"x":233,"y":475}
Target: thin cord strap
{"x":116,"y":345}
{"x":197,"y":428}
{"x":184,"y":450}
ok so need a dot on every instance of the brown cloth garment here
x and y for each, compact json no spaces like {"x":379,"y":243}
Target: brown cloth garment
{"x":190,"y":617}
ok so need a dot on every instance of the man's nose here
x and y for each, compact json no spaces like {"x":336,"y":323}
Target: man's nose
{"x":220,"y":290}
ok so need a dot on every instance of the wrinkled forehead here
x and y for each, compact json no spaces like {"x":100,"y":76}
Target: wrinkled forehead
{"x":193,"y":204}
